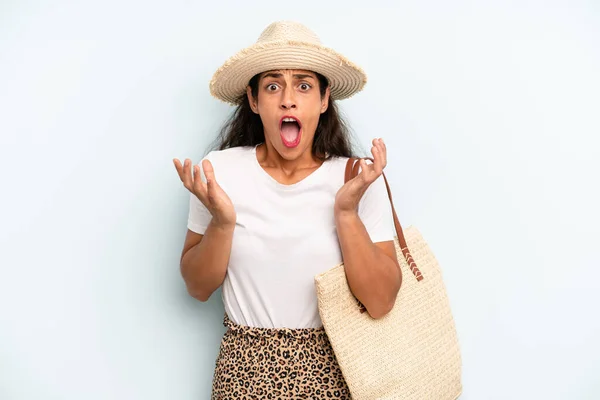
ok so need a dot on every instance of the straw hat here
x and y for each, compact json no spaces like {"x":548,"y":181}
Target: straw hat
{"x":286,"y":45}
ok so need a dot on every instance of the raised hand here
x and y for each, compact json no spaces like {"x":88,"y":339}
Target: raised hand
{"x":349,"y":195}
{"x":210,"y":193}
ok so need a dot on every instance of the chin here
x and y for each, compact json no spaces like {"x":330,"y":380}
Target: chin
{"x":292,"y":153}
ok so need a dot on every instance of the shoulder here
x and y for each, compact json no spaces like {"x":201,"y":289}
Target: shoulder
{"x":228,"y":164}
{"x":335,"y":170}
{"x":231,"y":155}
{"x":337,"y":162}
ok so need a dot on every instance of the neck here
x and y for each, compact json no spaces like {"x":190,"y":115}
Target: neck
{"x":269,"y":157}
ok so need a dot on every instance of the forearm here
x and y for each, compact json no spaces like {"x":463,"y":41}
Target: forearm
{"x":204,"y":266}
{"x":373,"y":276}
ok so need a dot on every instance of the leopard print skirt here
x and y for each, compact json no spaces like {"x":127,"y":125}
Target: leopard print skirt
{"x":276,"y":363}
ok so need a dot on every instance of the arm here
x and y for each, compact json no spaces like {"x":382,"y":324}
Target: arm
{"x":211,"y":223}
{"x":362,"y":212}
{"x":372,"y":270}
{"x":204,"y":260}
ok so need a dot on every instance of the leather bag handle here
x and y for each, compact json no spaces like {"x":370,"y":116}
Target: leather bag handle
{"x":352,"y":171}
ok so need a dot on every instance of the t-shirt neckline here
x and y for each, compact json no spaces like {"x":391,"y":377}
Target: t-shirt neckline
{"x":306,"y":180}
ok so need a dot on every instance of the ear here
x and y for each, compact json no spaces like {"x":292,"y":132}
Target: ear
{"x":252,"y":100}
{"x":325,"y":101}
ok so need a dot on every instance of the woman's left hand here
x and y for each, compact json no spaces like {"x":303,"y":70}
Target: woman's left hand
{"x":349,"y":195}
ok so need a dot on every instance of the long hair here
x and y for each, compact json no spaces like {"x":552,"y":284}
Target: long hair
{"x":245,"y":128}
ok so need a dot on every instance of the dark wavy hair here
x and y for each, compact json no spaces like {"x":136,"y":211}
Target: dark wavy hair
{"x":245,"y":128}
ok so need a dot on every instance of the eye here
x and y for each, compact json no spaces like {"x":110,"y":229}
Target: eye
{"x":305,"y":86}
{"x":271,"y":87}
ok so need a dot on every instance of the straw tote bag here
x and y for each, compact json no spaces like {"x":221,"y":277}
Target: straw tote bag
{"x":410,"y":353}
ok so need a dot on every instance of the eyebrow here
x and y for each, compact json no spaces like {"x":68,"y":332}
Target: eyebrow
{"x":279,"y":75}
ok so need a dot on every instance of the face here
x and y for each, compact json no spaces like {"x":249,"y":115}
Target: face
{"x":289,"y":104}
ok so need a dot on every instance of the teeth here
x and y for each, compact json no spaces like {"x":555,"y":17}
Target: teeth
{"x":289,"y":120}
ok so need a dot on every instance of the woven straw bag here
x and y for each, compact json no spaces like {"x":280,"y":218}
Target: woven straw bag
{"x":410,"y":353}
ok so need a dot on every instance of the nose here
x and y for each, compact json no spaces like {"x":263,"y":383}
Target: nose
{"x":288,"y":100}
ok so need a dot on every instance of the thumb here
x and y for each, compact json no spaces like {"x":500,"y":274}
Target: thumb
{"x":212,"y":187}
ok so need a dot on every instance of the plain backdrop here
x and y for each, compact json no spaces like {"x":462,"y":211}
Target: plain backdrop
{"x":490,"y":110}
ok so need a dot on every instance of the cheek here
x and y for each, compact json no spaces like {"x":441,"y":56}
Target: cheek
{"x":267,"y":115}
{"x":313,"y":123}
{"x":313,"y":120}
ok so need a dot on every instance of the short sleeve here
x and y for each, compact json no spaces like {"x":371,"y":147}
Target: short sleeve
{"x":199,"y":217}
{"x":375,"y":212}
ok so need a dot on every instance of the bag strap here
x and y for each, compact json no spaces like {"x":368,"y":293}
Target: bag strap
{"x":352,"y":171}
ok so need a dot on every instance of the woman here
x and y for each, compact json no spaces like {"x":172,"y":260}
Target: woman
{"x":269,"y":210}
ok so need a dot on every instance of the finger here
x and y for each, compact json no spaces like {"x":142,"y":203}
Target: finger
{"x":383,"y":146}
{"x":381,"y":156}
{"x":383,"y":150}
{"x":178,"y":167}
{"x":376,"y":143}
{"x":378,"y":160}
{"x":199,"y":187}
{"x":186,"y":174}
{"x":209,"y":171}
{"x":211,"y":181}
{"x":365,"y":169}
{"x":366,"y":177}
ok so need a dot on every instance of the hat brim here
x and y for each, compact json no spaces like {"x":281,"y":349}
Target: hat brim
{"x":230,"y":81}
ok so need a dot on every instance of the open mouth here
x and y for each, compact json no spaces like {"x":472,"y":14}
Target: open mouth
{"x":290,"y":130}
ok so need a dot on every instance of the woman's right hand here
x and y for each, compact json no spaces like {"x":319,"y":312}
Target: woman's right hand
{"x":210,"y":193}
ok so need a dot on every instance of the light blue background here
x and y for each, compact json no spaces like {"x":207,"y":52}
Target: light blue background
{"x":490,"y":112}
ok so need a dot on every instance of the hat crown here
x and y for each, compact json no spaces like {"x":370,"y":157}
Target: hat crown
{"x":282,"y":31}
{"x":286,"y":45}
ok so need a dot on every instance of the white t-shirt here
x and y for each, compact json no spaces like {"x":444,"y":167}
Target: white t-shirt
{"x":284,"y":236}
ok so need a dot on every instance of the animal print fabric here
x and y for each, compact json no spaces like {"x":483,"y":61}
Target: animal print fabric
{"x":276,"y":363}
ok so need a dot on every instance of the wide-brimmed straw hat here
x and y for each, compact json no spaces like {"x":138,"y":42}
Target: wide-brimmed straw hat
{"x":286,"y":45}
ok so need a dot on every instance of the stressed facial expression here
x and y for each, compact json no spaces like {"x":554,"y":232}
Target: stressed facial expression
{"x":289,"y":104}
